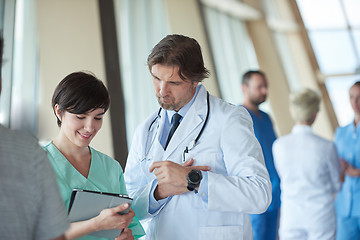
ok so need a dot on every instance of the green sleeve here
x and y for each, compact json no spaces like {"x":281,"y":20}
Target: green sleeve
{"x":135,"y":225}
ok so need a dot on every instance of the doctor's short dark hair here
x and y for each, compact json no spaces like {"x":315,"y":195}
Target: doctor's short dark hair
{"x":246,"y":77}
{"x":79,"y":93}
{"x":181,"y":51}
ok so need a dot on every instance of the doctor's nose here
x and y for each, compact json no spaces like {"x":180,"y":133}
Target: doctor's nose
{"x":163,"y":89}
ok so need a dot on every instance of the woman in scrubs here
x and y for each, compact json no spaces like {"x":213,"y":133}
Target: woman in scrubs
{"x":79,"y":102}
{"x":347,"y":141}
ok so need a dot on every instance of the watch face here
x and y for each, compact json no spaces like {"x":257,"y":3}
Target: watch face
{"x":194,"y":177}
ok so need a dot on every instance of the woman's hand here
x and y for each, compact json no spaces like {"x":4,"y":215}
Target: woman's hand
{"x":125,"y":235}
{"x":111,"y":219}
{"x":343,"y":166}
{"x":107,"y":219}
{"x":352,"y":171}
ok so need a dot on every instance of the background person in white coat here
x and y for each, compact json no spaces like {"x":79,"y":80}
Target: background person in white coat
{"x":213,"y":136}
{"x":309,"y":172}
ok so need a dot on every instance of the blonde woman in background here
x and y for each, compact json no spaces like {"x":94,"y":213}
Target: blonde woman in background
{"x":309,"y":172}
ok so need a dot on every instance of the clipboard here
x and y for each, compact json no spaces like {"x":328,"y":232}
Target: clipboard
{"x":85,"y":204}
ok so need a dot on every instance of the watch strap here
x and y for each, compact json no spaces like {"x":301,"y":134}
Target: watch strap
{"x":191,"y":187}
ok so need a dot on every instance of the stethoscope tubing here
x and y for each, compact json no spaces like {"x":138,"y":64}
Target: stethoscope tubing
{"x":196,"y":139}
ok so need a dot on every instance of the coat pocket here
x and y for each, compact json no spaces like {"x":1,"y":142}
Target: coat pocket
{"x":211,"y":159}
{"x":221,"y":233}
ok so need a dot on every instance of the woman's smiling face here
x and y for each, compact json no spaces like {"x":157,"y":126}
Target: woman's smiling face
{"x":80,"y":129}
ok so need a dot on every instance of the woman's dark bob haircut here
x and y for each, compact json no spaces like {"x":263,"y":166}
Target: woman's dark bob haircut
{"x":79,"y":93}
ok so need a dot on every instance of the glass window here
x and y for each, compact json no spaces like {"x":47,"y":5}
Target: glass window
{"x":334,"y":31}
{"x":19,"y":70}
{"x":334,"y":51}
{"x":333,"y":38}
{"x":338,"y":89}
{"x":232,"y":50}
{"x":282,"y":46}
{"x":322,"y":14}
{"x":356,"y":36}
{"x":24,"y":111}
{"x":7,"y":29}
{"x":140,"y":25}
{"x":2,"y":14}
{"x":287,"y":60}
{"x":352,"y":8}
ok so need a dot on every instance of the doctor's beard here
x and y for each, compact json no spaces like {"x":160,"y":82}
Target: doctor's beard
{"x":171,"y":105}
{"x":170,"y":102}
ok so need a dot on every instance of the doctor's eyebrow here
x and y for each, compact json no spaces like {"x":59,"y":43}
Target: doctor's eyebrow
{"x":154,"y":75}
{"x":176,"y":82}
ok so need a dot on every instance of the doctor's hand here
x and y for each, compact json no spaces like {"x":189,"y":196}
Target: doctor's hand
{"x":172,"y":177}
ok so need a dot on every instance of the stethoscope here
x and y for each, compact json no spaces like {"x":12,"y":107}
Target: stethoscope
{"x":190,"y":146}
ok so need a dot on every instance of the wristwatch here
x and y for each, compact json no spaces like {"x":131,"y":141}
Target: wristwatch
{"x":194,"y":177}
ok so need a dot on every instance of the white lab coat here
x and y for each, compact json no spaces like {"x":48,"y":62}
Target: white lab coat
{"x":238,"y":183}
{"x":309,"y":173}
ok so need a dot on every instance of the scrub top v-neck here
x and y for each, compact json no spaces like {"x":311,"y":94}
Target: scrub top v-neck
{"x":105,"y":175}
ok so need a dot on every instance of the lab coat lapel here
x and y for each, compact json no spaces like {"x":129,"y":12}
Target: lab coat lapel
{"x":153,"y":149}
{"x":188,"y":126}
{"x":159,"y":150}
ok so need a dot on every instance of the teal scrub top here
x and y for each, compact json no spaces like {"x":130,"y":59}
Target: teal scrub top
{"x":347,"y":142}
{"x":105,"y":175}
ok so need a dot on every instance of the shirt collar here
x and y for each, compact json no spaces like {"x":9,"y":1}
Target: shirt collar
{"x":184,"y":109}
{"x":301,"y":128}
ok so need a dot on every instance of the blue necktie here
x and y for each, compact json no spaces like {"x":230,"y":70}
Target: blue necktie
{"x":176,"y":121}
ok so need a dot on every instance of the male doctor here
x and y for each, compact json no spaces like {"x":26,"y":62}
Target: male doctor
{"x":194,"y":165}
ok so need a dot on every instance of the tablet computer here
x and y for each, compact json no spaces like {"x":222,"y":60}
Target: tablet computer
{"x":85,"y":204}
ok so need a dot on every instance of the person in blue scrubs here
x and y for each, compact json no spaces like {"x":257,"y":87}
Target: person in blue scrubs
{"x":255,"y":89}
{"x":347,"y":141}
